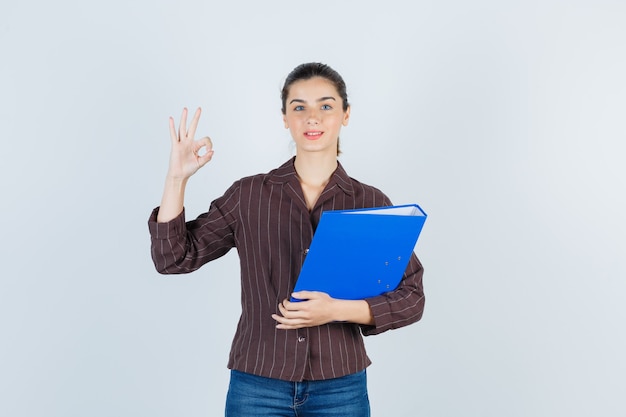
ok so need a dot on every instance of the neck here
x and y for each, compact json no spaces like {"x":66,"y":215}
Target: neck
{"x":315,"y":170}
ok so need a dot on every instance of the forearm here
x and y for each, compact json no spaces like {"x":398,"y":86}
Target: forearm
{"x":354,"y":311}
{"x":173,"y":199}
{"x":401,"y":307}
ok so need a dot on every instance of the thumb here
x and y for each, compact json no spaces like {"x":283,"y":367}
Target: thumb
{"x":206,"y":157}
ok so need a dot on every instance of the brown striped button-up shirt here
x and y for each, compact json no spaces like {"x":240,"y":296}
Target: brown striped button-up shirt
{"x":266,"y":218}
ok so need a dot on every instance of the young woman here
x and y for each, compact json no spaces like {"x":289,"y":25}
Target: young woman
{"x":287,"y":358}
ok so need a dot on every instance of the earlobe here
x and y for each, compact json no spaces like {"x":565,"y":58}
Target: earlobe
{"x":285,"y":122}
{"x":346,"y":117}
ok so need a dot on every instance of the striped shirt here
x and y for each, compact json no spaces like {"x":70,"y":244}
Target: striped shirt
{"x":266,"y":218}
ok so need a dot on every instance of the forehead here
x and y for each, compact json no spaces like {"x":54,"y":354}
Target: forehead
{"x":313,"y":88}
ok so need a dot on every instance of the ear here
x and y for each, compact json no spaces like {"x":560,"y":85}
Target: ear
{"x":346,"y":117}
{"x":285,"y":121}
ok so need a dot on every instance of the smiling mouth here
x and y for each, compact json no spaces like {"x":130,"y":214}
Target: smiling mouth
{"x":316,"y":134}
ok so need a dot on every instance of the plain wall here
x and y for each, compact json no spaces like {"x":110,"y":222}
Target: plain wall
{"x":503,"y":120}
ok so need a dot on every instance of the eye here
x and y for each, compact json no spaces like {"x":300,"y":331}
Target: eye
{"x":298,"y":108}
{"x":327,"y":107}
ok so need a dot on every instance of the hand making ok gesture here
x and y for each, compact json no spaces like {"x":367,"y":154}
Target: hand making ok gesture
{"x":186,"y":156}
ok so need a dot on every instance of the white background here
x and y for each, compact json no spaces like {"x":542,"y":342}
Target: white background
{"x":504,"y":120}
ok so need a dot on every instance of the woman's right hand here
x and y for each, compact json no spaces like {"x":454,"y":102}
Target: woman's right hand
{"x":185,"y":155}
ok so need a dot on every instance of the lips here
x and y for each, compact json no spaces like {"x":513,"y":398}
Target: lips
{"x":313,"y":134}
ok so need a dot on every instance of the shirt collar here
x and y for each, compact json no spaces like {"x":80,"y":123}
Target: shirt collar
{"x":287,"y":173}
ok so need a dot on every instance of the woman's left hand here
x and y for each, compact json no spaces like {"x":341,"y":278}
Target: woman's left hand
{"x":316,"y":309}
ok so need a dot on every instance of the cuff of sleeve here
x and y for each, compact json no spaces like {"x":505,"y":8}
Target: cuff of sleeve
{"x":167,"y":230}
{"x":380,"y":309}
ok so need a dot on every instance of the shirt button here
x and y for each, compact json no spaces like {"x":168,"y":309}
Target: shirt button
{"x":301,"y":339}
{"x":306,"y":251}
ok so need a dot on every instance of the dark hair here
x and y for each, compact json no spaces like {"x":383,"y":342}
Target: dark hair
{"x":311,"y":70}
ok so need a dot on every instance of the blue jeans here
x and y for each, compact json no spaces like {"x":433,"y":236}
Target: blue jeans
{"x":257,"y":396}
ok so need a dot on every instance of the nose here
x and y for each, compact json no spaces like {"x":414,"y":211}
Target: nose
{"x":313,"y":118}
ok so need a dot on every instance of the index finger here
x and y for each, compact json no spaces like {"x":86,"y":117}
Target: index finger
{"x":307,"y":295}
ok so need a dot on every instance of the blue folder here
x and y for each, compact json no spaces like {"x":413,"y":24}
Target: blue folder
{"x":362,"y":253}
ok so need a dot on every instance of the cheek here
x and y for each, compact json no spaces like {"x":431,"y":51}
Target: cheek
{"x":337,"y":121}
{"x":295,"y":120}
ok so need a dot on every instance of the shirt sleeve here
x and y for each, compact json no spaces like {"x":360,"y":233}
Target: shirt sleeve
{"x":401,"y":307}
{"x":179,"y":247}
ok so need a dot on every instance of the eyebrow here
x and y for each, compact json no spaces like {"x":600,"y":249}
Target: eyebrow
{"x":298,"y":100}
